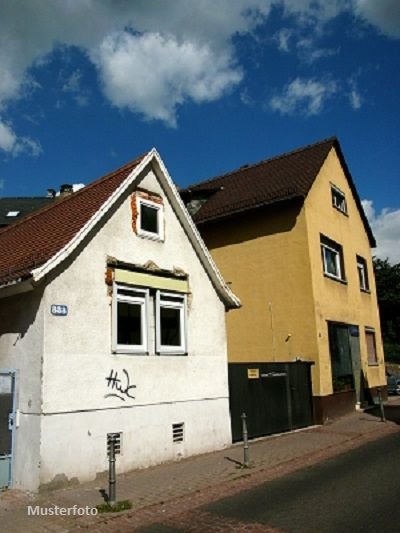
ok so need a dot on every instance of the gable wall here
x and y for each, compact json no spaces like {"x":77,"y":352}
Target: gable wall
{"x":335,"y":301}
{"x":169,"y":389}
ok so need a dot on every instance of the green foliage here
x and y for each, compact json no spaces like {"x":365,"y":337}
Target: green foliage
{"x":387,"y":280}
{"x":388,"y":290}
{"x":117,"y":507}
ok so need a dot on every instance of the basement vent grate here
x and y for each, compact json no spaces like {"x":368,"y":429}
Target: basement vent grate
{"x":177,"y":432}
{"x":117,"y":447}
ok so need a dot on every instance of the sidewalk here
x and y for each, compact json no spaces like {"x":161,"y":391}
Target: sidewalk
{"x":174,"y":487}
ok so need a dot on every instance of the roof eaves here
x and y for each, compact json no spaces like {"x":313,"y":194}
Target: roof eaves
{"x":62,"y":254}
{"x":240,"y":210}
{"x":356,"y":196}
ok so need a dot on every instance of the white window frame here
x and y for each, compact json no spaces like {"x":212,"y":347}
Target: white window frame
{"x":159,"y":236}
{"x":338,"y":199}
{"x":170,"y":300}
{"x":338,"y":260}
{"x":143,"y":301}
{"x":362,"y":273}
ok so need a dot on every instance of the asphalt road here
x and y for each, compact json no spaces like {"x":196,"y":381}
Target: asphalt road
{"x":355,"y":492}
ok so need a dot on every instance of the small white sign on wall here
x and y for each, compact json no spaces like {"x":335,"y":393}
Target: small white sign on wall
{"x":59,"y":310}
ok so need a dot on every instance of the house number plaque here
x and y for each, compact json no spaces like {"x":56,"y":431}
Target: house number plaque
{"x":59,"y":310}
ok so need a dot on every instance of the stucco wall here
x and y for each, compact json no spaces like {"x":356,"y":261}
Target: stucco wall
{"x":169,"y":389}
{"x":264,"y":253}
{"x":21,"y":349}
{"x":335,"y":301}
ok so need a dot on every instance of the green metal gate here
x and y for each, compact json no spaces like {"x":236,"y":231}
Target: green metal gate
{"x":276,"y":397}
{"x":7,"y":425}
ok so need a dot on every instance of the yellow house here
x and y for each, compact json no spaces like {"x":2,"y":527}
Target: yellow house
{"x":291,"y":237}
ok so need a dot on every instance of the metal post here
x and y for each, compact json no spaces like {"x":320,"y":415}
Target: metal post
{"x":111,"y":471}
{"x":245,"y":441}
{"x":383,"y":418}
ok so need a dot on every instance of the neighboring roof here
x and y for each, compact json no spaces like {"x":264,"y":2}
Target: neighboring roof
{"x":13,"y":209}
{"x":280,"y":178}
{"x":34,"y":246}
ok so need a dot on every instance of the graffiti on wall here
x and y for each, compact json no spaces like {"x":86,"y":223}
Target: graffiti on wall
{"x":120,"y":386}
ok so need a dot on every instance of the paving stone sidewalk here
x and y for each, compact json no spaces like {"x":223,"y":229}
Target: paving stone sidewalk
{"x":169,"y":489}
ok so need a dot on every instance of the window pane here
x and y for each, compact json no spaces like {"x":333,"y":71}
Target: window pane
{"x":331,"y":262}
{"x":149,"y":218}
{"x":129,"y":330}
{"x":130,"y":292}
{"x":170,"y":319}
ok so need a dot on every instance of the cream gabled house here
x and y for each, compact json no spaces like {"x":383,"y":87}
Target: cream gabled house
{"x":290,"y":235}
{"x":112,"y":320}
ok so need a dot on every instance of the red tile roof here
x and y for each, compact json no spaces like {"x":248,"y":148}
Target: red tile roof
{"x":31,"y":242}
{"x":280,"y":178}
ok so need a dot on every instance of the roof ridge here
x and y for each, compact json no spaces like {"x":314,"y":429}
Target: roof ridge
{"x":332,"y":139}
{"x":53,"y":204}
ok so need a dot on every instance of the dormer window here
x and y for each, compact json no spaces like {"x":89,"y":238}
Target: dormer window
{"x":150,"y":219}
{"x":338,"y":199}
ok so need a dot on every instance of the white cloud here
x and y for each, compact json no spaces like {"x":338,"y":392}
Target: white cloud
{"x":383,"y":14}
{"x":154,"y":56}
{"x":166,"y":72}
{"x":386,"y":228}
{"x":73,"y":83}
{"x":306,"y":96}
{"x":28,"y":146}
{"x":178,"y":35}
{"x":7,"y":137}
{"x":314,"y":13}
{"x":282,"y":38}
{"x":13,"y":145}
{"x":309,"y":53}
{"x":355,"y":98}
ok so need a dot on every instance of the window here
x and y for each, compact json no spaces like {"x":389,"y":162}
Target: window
{"x":362,"y":273}
{"x":130,"y":319}
{"x":148,"y":320}
{"x":13,"y":213}
{"x":332,"y":259}
{"x":150,"y":219}
{"x":338,"y":199}
{"x":371,"y":346}
{"x":171,"y":323}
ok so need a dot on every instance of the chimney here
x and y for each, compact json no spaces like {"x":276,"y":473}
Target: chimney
{"x":51,"y":193}
{"x":66,"y":190}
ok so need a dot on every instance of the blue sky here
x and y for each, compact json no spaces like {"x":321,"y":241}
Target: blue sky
{"x":87,"y":85}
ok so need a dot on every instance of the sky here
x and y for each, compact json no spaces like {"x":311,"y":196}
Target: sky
{"x":88,"y":85}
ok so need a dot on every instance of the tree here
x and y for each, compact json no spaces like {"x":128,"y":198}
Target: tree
{"x":388,"y":290}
